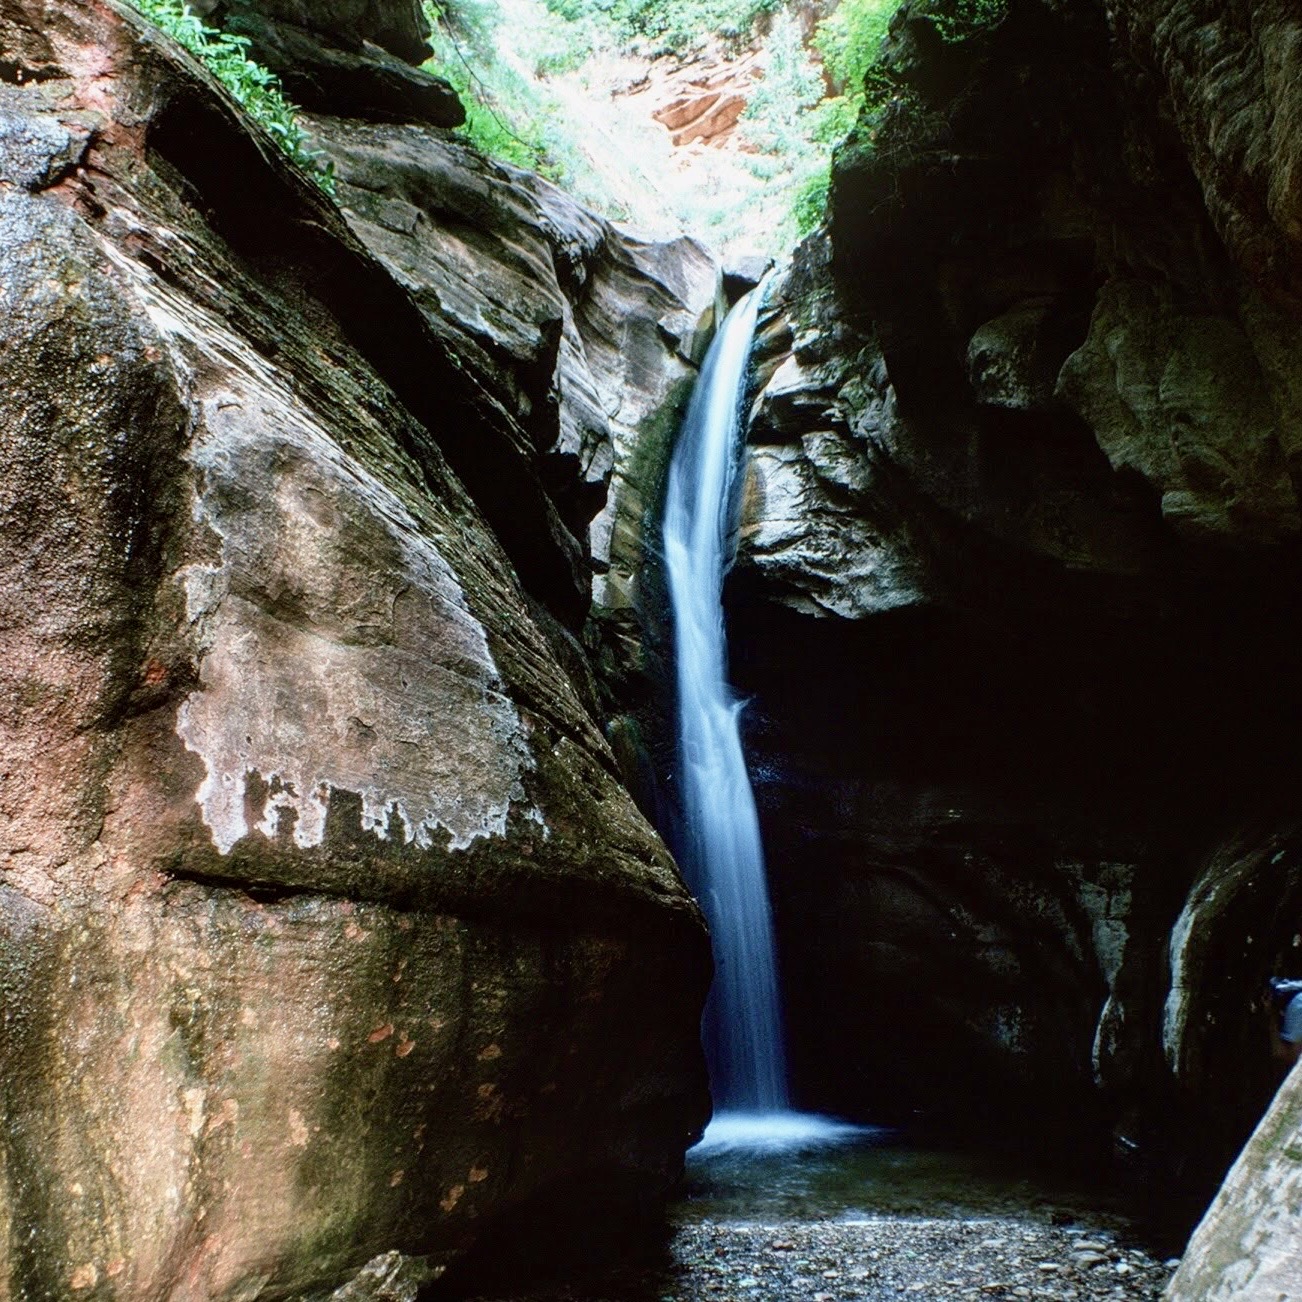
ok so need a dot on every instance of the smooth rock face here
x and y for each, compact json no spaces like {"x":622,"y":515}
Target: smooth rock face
{"x":1245,"y":1249}
{"x":589,"y":336}
{"x":819,"y":530}
{"x":327,"y":930}
{"x":1181,"y":399}
{"x":398,"y":670}
{"x":1015,"y":608}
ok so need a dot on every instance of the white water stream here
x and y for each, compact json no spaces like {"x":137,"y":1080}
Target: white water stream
{"x":721,"y":850}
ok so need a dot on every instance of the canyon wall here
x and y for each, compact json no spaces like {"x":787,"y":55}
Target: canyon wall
{"x":1017,"y":599}
{"x":328,"y":932}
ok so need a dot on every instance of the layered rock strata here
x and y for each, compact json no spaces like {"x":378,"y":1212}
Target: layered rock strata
{"x":589,"y":337}
{"x":327,"y":929}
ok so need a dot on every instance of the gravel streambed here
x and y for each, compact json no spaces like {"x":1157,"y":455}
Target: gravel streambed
{"x":873,"y":1219}
{"x":837,"y":1261}
{"x":854,"y":1259}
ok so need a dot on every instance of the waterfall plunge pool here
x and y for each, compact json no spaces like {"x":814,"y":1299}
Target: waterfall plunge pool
{"x":759,"y":1134}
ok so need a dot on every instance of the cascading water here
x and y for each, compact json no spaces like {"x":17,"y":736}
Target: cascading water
{"x":721,"y":850}
{"x":723,"y":858}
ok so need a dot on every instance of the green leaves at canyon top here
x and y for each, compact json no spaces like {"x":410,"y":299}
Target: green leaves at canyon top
{"x":583,"y":91}
{"x":673,"y":26}
{"x":256,"y":89}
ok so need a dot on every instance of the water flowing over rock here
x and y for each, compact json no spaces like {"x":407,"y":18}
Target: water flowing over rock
{"x":1016,"y":601}
{"x":327,"y":930}
{"x":721,"y":850}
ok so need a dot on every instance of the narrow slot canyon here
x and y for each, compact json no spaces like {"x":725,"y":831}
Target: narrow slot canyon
{"x":651,"y":652}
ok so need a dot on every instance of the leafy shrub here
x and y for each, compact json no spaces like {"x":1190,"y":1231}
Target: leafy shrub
{"x":669,"y":25}
{"x":849,"y":38}
{"x":963,"y":19}
{"x":777,"y":113}
{"x":500,"y":119}
{"x":510,"y":113}
{"x":810,"y":205}
{"x":253,"y":86}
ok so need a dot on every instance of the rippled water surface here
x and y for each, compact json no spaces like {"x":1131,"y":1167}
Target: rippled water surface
{"x":871,"y":1171}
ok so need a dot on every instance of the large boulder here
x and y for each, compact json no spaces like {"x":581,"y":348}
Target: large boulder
{"x":327,"y":929}
{"x":1245,"y":1248}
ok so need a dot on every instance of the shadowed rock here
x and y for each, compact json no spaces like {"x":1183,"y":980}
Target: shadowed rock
{"x":1015,"y":607}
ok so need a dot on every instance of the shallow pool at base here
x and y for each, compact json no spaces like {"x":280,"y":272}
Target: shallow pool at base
{"x":770,"y":1133}
{"x":798,"y":1166}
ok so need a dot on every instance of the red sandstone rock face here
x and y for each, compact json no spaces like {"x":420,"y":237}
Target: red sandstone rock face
{"x":326,"y":928}
{"x":700,"y":102}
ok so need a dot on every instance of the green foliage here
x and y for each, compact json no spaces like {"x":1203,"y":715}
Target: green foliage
{"x":502,"y":108}
{"x":849,"y":38}
{"x":253,"y":86}
{"x":786,"y":125}
{"x":850,"y":42}
{"x":963,"y":19}
{"x":777,"y":112}
{"x":668,"y":24}
{"x":810,"y":205}
{"x":528,"y":72}
{"x":494,"y":66}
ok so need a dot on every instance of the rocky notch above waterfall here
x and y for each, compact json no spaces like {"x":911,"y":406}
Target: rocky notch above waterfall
{"x":1017,"y":597}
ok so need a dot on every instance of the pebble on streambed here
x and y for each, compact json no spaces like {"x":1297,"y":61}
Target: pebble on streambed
{"x":868,"y":1259}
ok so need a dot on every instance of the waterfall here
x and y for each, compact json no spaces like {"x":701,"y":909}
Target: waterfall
{"x":721,"y":851}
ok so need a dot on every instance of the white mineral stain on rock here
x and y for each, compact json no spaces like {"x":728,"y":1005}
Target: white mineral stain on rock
{"x":193,"y":1102}
{"x":340,"y":651}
